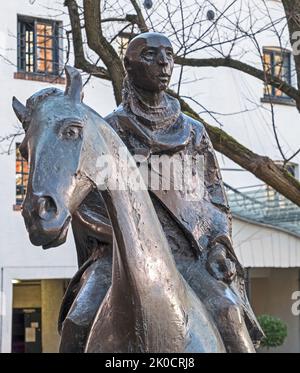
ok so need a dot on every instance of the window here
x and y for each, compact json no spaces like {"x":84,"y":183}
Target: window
{"x":21,"y":176}
{"x":122,"y":42}
{"x":273,"y":196}
{"x":122,"y":45}
{"x":38,"y":46}
{"x":291,"y":167}
{"x":277,"y":62}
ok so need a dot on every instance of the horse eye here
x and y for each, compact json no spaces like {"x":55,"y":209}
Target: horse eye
{"x":72,"y":133}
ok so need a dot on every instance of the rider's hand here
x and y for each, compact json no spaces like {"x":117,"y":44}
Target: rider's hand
{"x":219,"y":266}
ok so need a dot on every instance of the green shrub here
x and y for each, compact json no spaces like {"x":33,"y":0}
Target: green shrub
{"x":275,"y":331}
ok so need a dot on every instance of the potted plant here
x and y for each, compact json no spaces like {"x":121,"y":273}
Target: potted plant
{"x":275,"y":331}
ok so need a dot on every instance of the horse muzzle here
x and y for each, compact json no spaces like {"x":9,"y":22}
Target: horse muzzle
{"x":46,"y":222}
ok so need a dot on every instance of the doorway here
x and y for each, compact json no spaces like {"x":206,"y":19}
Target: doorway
{"x":26,"y":330}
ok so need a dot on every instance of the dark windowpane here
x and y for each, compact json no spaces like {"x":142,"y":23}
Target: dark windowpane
{"x":37,"y":46}
{"x":277,"y":64}
{"x":22,"y":172}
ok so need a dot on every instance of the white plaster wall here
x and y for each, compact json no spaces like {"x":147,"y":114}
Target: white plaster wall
{"x":265,"y":246}
{"x":15,"y":248}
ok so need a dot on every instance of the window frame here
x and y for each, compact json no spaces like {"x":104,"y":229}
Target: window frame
{"x":283,"y":53}
{"x":22,"y":174}
{"x":122,"y":42}
{"x":56,"y":41}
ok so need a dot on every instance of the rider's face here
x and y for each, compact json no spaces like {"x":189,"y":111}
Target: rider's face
{"x":150,"y":62}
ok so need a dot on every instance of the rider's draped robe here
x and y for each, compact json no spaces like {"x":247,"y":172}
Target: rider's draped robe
{"x":192,"y":227}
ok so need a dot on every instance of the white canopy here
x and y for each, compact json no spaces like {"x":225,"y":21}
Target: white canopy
{"x":261,"y":245}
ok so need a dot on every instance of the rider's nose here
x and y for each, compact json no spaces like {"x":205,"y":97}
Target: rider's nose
{"x":162,"y":58}
{"x":46,"y":208}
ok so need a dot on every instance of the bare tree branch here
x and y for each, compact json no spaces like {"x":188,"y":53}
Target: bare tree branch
{"x":10,"y":139}
{"x":100,"y":45}
{"x":141,"y":20}
{"x":80,"y":61}
{"x":98,"y":41}
{"x":292,"y":11}
{"x":262,"y":167}
{"x":245,"y":68}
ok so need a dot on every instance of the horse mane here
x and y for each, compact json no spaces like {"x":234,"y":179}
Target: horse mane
{"x":37,"y":98}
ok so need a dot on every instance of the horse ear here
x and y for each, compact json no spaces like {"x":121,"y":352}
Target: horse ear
{"x":20,"y":111}
{"x":74,"y":84}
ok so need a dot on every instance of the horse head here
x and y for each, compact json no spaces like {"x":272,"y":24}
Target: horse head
{"x":55,"y":124}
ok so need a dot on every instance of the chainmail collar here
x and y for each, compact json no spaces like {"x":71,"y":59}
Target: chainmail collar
{"x":156,"y":117}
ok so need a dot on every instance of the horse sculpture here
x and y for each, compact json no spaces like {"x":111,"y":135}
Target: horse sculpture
{"x":149,"y":307}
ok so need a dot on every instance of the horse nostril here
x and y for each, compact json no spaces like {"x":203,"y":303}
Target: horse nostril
{"x":46,"y":208}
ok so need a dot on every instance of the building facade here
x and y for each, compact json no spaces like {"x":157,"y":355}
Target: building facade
{"x":266,"y":228}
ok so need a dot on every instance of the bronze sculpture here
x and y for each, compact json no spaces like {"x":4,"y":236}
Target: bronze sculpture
{"x":149,"y":122}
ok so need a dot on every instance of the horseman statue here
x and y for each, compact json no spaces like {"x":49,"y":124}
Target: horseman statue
{"x":193,"y":232}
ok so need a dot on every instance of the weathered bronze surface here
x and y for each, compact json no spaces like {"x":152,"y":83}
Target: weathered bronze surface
{"x":136,"y":297}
